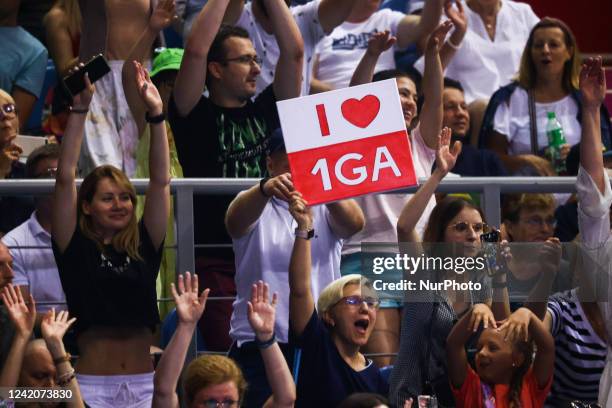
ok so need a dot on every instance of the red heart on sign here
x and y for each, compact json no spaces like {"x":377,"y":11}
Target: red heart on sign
{"x":361,"y":112}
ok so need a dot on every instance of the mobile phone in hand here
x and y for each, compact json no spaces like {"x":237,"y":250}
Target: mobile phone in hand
{"x":96,"y":68}
{"x":495,"y":262}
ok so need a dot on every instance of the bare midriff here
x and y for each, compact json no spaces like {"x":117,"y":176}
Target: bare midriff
{"x":114,"y":351}
{"x":126,"y":20}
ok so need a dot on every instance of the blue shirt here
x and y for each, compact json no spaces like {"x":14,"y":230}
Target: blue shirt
{"x":23,"y":61}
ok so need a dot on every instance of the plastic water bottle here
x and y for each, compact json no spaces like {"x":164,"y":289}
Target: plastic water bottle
{"x":556,"y":139}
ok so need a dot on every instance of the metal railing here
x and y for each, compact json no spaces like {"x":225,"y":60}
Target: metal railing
{"x":183,"y":191}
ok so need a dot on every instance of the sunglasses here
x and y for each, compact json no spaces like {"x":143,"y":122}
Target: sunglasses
{"x":7,"y":109}
{"x":358,"y":301}
{"x":477,"y":227}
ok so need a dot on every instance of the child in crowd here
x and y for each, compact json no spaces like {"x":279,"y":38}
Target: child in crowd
{"x":507,"y":374}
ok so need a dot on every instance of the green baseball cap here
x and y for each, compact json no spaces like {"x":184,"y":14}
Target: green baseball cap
{"x":169,"y":58}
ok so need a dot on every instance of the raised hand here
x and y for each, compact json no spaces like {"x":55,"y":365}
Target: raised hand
{"x":189,"y":306}
{"x":517,"y":325}
{"x":380,"y":42}
{"x":456,"y":15}
{"x":280,"y":187}
{"x":446,"y":157}
{"x":9,"y":155}
{"x":481,"y":313}
{"x":592,"y":83}
{"x":549,"y":255}
{"x":436,"y":38}
{"x":82,"y":100}
{"x":22,"y":314}
{"x":54,"y":327}
{"x":163,"y":15}
{"x":298,"y":207}
{"x":262,"y":312}
{"x":147,"y":91}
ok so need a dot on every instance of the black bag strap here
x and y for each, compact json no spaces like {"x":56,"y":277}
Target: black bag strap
{"x":533,"y":124}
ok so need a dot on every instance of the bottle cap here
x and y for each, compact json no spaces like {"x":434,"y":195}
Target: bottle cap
{"x":551,"y":115}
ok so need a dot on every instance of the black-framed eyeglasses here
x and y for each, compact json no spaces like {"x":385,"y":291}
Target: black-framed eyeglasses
{"x":245,"y":59}
{"x":478,"y":227}
{"x":7,"y":109}
{"x":356,"y":300}
{"x":227,"y":403}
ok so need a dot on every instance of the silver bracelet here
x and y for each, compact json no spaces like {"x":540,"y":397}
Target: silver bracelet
{"x":453,"y":46}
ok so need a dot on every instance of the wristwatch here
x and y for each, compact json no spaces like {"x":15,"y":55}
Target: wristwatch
{"x":304,"y":234}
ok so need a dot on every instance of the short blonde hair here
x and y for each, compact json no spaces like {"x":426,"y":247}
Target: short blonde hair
{"x":335,"y":291}
{"x":210,"y":370}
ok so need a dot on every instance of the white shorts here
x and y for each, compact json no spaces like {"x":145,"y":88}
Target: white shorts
{"x":114,"y":391}
{"x":111,"y":135}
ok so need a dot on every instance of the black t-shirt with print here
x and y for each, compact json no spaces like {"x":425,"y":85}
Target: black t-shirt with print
{"x":109,"y":288}
{"x":213,"y":141}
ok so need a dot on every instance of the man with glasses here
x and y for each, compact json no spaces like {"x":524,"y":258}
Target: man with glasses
{"x":529,"y":221}
{"x":23,"y":61}
{"x":315,"y":20}
{"x":226,"y":133}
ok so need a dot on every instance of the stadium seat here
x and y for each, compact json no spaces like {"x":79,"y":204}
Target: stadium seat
{"x":35,"y":121}
{"x":169,"y":327}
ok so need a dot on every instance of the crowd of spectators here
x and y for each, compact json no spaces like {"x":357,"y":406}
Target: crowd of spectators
{"x":81,"y":271}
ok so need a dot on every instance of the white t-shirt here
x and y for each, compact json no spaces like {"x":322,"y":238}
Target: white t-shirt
{"x":34,"y":266}
{"x":483,"y":66}
{"x":307,"y":20}
{"x":264,"y":254}
{"x":340,"y":52}
{"x":383,"y":210}
{"x":512,"y":120}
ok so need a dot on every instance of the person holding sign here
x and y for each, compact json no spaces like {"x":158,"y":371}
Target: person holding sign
{"x":259,"y":222}
{"x":332,"y":333}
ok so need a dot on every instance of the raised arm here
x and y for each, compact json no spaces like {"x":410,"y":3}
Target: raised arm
{"x":262,"y":316}
{"x":59,"y":41}
{"x":377,"y":44}
{"x":414,"y":29}
{"x":457,"y":16}
{"x":593,"y":90}
{"x":549,"y":259}
{"x":189,"y":309}
{"x":157,"y":204}
{"x":301,"y":302}
{"x":162,"y":17}
{"x":288,"y":74}
{"x":191,"y":77}
{"x":53,"y":329}
{"x":332,"y":13}
{"x":23,"y":317}
{"x":65,"y":194}
{"x":523,"y":324}
{"x":414,"y":208}
{"x":345,"y":218}
{"x":430,"y":121}
{"x":233,"y":12}
{"x":246,"y":208}
{"x":456,"y":357}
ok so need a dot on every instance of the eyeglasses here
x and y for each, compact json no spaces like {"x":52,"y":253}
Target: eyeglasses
{"x":213,"y":403}
{"x":477,"y":227}
{"x":535,"y":222}
{"x":245,"y":60}
{"x":358,"y":301}
{"x":7,"y":109}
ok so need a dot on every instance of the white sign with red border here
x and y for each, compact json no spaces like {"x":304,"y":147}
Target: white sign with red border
{"x":347,"y":143}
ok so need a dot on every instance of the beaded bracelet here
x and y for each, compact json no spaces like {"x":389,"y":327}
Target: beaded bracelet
{"x":65,"y":378}
{"x":63,"y":359}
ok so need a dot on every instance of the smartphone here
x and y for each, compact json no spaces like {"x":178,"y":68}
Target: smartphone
{"x":96,"y":68}
{"x":490,"y":242}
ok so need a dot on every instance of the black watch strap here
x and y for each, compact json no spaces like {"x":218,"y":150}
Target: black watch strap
{"x":155,"y":119}
{"x":304,"y":234}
